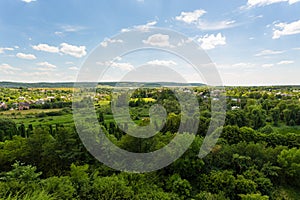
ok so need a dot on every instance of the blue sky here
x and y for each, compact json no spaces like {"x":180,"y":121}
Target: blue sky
{"x":254,"y":42}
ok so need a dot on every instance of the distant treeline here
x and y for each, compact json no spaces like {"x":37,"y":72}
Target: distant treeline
{"x":91,"y":84}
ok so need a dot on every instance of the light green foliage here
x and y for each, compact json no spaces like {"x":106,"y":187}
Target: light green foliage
{"x":179,"y":186}
{"x":289,"y":160}
{"x":111,"y":188}
{"x":253,"y":197}
{"x":80,"y":180}
{"x":59,"y":187}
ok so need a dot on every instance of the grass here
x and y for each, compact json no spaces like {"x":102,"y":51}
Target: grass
{"x":27,"y":112}
{"x":66,"y":120}
{"x":104,"y":103}
{"x":147,"y":100}
{"x":27,"y":117}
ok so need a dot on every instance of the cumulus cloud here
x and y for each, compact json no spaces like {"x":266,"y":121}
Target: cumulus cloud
{"x":75,"y":51}
{"x":259,"y":3}
{"x":8,"y":69}
{"x":26,"y":56}
{"x":3,"y":49}
{"x":285,"y":62}
{"x":195,"y":19}
{"x":282,"y":29}
{"x":211,"y":41}
{"x":167,"y":63}
{"x":46,"y":48}
{"x":190,"y":17}
{"x":183,"y":42}
{"x":28,"y":1}
{"x":159,"y":40}
{"x":64,"y":48}
{"x":110,"y":41}
{"x":45,"y":66}
{"x":268,"y":53}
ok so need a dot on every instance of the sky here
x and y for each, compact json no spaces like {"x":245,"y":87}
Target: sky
{"x":251,"y":42}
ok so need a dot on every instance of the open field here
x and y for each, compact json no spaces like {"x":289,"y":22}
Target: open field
{"x":7,"y":113}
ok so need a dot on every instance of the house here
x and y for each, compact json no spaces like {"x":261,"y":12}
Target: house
{"x":24,"y":106}
{"x":235,"y":107}
{"x":50,"y":98}
{"x":3,"y":106}
{"x":40,"y":101}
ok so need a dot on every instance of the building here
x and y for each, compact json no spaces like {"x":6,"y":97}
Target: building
{"x":24,"y":106}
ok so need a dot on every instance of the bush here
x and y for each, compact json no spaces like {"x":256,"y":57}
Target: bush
{"x":111,"y":188}
{"x":59,"y":187}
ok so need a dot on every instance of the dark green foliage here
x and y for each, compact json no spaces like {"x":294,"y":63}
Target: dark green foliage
{"x":8,"y":129}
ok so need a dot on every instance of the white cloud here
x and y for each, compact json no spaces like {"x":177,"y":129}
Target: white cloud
{"x":159,"y":40}
{"x":71,"y":28}
{"x":142,"y":28}
{"x":3,"y":49}
{"x":211,"y":41}
{"x":152,"y":23}
{"x":282,"y":29}
{"x":110,"y":41}
{"x":241,"y":65}
{"x":190,"y":17}
{"x":167,"y":63}
{"x":208,"y":26}
{"x":195,"y":19}
{"x":285,"y":62}
{"x":118,"y":58}
{"x":259,"y":3}
{"x":46,"y":48}
{"x":268,"y":53}
{"x":59,"y":33}
{"x":7,"y":69}
{"x":68,"y":29}
{"x":125,"y":30}
{"x":267,"y":65}
{"x":28,"y":1}
{"x":75,"y":51}
{"x":182,"y":42}
{"x":122,"y":66}
{"x":26,"y":56}
{"x":45,"y":66}
{"x":73,"y":68}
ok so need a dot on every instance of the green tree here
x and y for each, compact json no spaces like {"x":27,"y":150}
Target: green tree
{"x":8,"y":129}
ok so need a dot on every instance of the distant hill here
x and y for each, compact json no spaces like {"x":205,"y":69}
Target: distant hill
{"x":91,"y":84}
